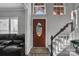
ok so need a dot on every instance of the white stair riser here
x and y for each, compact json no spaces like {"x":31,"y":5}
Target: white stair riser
{"x":60,"y":47}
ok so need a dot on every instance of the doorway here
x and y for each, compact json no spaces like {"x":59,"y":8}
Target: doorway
{"x":39,"y":32}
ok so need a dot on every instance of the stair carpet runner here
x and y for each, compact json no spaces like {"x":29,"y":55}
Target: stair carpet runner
{"x":59,"y":44}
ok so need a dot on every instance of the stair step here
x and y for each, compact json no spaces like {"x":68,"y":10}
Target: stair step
{"x":58,"y":44}
{"x":55,"y":43}
{"x":49,"y":47}
{"x":59,"y":40}
{"x":55,"y":51}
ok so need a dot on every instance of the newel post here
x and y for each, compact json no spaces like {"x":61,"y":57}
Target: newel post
{"x":51,"y":46}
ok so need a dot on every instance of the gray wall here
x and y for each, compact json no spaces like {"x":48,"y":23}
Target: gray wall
{"x":54,"y":23}
{"x":13,"y":13}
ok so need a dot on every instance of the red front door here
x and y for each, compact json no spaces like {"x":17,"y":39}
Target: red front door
{"x":39,"y":32}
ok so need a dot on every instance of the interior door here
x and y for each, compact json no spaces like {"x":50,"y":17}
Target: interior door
{"x":39,"y":29}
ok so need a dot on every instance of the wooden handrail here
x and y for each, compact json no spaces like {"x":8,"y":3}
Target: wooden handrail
{"x":61,"y":30}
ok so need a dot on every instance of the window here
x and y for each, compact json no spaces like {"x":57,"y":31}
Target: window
{"x":4,"y":25}
{"x":14,"y":25}
{"x":58,"y":9}
{"x":39,"y":9}
{"x":9,"y":25}
{"x":39,"y":29}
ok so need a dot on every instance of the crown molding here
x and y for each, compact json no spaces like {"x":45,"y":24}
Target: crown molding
{"x":12,"y":9}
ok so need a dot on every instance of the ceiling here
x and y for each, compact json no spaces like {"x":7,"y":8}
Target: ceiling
{"x":11,"y":5}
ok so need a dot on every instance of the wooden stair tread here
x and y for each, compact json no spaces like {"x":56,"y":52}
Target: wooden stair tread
{"x":59,"y":40}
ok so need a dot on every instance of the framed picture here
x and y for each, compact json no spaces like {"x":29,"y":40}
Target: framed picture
{"x":39,"y":9}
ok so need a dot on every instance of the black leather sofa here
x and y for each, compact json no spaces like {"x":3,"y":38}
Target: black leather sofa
{"x":12,"y":45}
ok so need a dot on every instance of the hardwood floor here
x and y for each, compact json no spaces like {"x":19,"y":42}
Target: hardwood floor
{"x":39,"y":51}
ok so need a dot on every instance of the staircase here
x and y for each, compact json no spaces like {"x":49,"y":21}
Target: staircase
{"x":59,"y":44}
{"x":60,"y":41}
